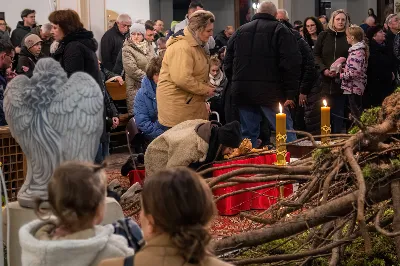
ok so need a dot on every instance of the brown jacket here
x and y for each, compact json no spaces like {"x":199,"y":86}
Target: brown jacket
{"x":160,"y":251}
{"x":179,"y":146}
{"x":182,"y":86}
{"x":135,"y":62}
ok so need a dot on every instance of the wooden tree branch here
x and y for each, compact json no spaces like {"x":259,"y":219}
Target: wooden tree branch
{"x":378,"y":227}
{"x":308,"y":219}
{"x":328,"y":181}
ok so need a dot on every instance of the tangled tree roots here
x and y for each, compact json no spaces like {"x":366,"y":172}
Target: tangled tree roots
{"x":344,"y":184}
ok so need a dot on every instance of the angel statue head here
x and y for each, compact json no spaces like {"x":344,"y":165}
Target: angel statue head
{"x":54,"y":119}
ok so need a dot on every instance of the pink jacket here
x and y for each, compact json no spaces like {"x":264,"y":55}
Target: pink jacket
{"x":354,"y":76}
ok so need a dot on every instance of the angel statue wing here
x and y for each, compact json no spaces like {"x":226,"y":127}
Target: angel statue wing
{"x":54,"y":119}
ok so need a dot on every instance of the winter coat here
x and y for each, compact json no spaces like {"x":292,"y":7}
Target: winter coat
{"x":45,"y":43}
{"x":182,"y":84}
{"x":221,"y":40}
{"x":119,"y":66}
{"x":263,"y":62}
{"x":354,"y":76}
{"x":110,"y":109}
{"x":379,"y":75}
{"x":111,"y":44}
{"x":145,"y":110}
{"x":77,"y":52}
{"x":19,"y":33}
{"x":5,"y":36}
{"x":84,"y":248}
{"x":161,"y":251}
{"x":309,"y":75}
{"x":135,"y":62}
{"x":181,"y":145}
{"x":330,"y":46}
{"x":27,"y":59}
{"x":312,"y":111}
{"x":3,"y":85}
{"x":392,"y":47}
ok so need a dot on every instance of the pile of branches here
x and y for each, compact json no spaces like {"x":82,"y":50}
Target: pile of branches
{"x":345,"y":187}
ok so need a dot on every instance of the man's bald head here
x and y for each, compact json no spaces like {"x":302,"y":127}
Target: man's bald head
{"x":267,"y":7}
{"x":282,"y":14}
{"x":229,"y":30}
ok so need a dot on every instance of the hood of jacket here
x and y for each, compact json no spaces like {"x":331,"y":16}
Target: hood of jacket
{"x":20,"y":25}
{"x":83,"y":36}
{"x":357,"y":46}
{"x":182,"y":35}
{"x":149,"y":87}
{"x":54,"y":252}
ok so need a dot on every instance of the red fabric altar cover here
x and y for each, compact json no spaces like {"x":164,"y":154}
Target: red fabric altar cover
{"x":253,"y":200}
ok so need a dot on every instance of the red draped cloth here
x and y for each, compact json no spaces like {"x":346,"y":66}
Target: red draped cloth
{"x":253,"y":200}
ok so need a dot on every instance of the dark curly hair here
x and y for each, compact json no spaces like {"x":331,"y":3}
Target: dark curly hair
{"x":307,"y":36}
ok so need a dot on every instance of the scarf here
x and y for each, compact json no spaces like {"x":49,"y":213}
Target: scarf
{"x":216,"y":81}
{"x":143,"y":46}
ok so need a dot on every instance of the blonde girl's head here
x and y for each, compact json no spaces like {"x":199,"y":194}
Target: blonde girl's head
{"x":354,"y":34}
{"x":215,"y":65}
{"x":77,"y":192}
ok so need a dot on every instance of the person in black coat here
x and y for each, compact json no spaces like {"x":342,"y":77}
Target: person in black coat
{"x":379,"y":73}
{"x":263,"y":64}
{"x":222,"y":38}
{"x":23,"y":27}
{"x":31,"y":52}
{"x":113,"y":39}
{"x":331,"y":45}
{"x":76,"y":51}
{"x":308,"y":111}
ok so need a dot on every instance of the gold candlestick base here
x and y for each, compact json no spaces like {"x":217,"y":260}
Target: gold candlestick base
{"x":325,"y":130}
{"x":281,"y":152}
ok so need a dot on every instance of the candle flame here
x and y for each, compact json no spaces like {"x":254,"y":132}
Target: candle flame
{"x":325,"y":103}
{"x":280,"y":108}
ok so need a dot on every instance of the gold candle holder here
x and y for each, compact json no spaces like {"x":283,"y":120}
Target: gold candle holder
{"x":280,"y":149}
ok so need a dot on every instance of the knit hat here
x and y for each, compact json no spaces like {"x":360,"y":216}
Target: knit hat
{"x":230,"y":135}
{"x":138,"y":27}
{"x":31,"y":40}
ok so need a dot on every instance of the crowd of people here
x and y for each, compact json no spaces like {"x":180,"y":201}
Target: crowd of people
{"x":175,"y":80}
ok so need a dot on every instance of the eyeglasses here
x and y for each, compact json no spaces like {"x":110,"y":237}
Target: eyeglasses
{"x":310,"y":26}
{"x":3,"y":24}
{"x":125,"y":26}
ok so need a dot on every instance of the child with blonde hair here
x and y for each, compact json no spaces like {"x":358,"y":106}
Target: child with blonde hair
{"x":77,"y":194}
{"x":219,"y":81}
{"x":354,"y":75}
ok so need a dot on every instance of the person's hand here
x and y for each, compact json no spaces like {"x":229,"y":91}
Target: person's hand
{"x":302,"y":100}
{"x":208,"y":107}
{"x":327,"y":73}
{"x":289,"y":103}
{"x":120,"y":80}
{"x":211,"y":91}
{"x":17,"y":49}
{"x":25,"y":69}
{"x":115,"y":122}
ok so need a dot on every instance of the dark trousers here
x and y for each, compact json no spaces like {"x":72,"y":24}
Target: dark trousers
{"x":355,"y":105}
{"x":338,"y":104}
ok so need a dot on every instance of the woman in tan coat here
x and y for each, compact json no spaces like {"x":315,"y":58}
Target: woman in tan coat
{"x":183,"y":85}
{"x":175,"y":233}
{"x":136,"y":54}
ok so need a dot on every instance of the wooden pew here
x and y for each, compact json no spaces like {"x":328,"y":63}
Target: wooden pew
{"x":118,"y":93}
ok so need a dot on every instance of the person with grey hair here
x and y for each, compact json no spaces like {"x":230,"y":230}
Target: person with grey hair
{"x":44,"y":33}
{"x":393,"y":24}
{"x":282,"y":15}
{"x":271,"y":74}
{"x":113,"y":40}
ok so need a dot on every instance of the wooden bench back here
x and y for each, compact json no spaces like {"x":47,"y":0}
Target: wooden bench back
{"x":116,"y":91}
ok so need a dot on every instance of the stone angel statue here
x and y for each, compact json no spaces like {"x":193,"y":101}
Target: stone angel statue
{"x":54,"y":119}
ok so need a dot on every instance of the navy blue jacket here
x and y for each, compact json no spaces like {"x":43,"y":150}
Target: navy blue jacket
{"x":145,"y":110}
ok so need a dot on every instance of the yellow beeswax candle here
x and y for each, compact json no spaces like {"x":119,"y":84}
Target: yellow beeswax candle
{"x":325,"y":121}
{"x":280,"y":137}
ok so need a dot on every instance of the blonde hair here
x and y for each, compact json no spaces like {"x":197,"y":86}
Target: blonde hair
{"x":332,"y":20}
{"x":199,"y":20}
{"x":214,"y":61}
{"x":75,"y":190}
{"x":359,"y":36}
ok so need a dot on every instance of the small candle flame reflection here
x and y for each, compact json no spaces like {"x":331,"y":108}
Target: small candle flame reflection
{"x":325,"y":103}
{"x":280,"y":108}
